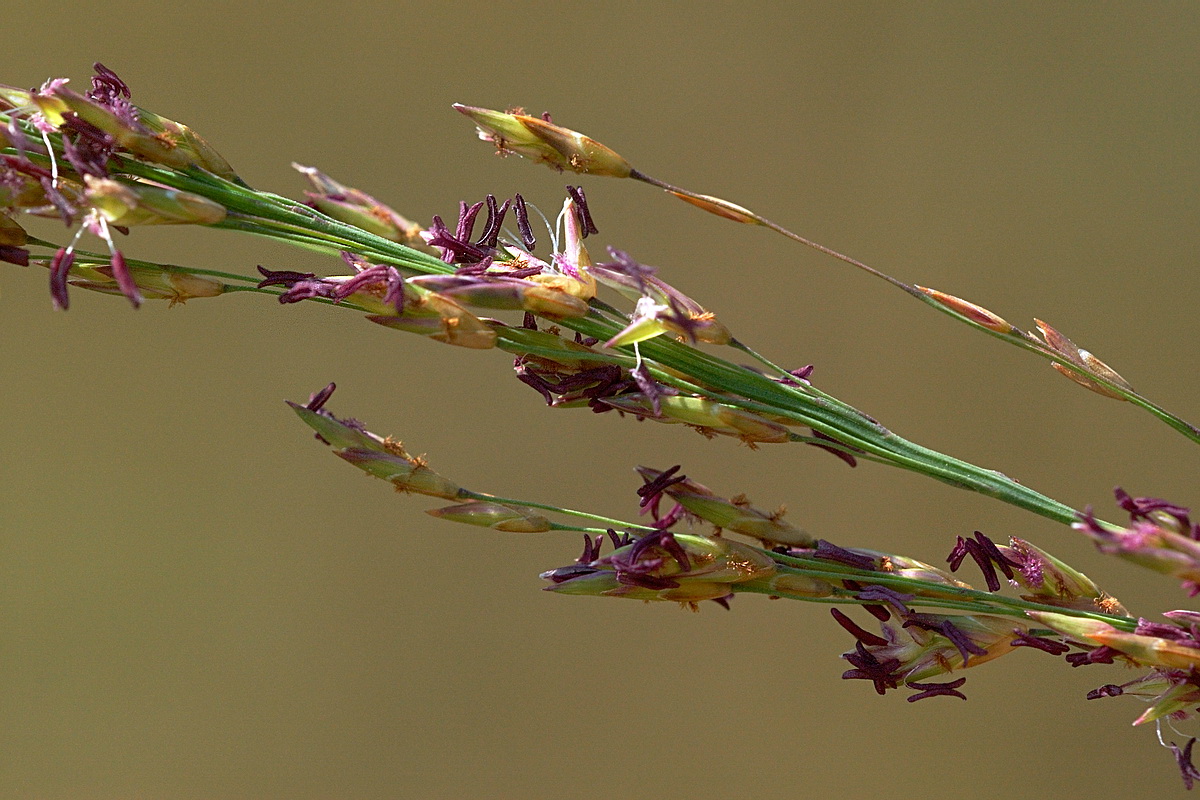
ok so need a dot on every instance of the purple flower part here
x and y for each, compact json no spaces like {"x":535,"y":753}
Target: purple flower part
{"x":676,"y":513}
{"x":646,"y":580}
{"x":619,"y":540}
{"x":66,"y":211}
{"x":125,"y":280}
{"x":60,"y":266}
{"x":14,"y":255}
{"x":1171,"y":633}
{"x":26,"y":167}
{"x":530,"y":378}
{"x":1188,"y":621}
{"x":926,"y":622}
{"x":886,"y":595}
{"x":1032,"y":572}
{"x":863,"y":636}
{"x":439,"y":236}
{"x":625,"y":265}
{"x":877,"y":611}
{"x":282,"y":277}
{"x":664,"y":540}
{"x":1107,"y":690}
{"x":453,"y":249}
{"x":44,"y":177}
{"x":564,"y":574}
{"x":681,"y":318}
{"x":523,"y":226}
{"x":869,"y":668}
{"x":524,"y":273}
{"x":581,"y":207}
{"x":957,"y":553}
{"x":837,"y":451}
{"x":546,"y":117}
{"x":476,"y":269}
{"x":21,"y":142}
{"x":318,"y":398}
{"x":466,"y":220}
{"x":798,"y":376}
{"x":353,"y":261}
{"x":595,"y":382}
{"x":1089,"y":524}
{"x":936,"y":690}
{"x":378,"y":273}
{"x":998,"y":558}
{"x":1099,"y":655}
{"x":495,"y":221}
{"x":970,"y":547}
{"x":89,"y":149}
{"x":831,"y":552}
{"x":598,"y":383}
{"x":653,"y":390}
{"x":723,"y":602}
{"x":637,"y":566}
{"x":966,"y":647}
{"x":1023,"y":639}
{"x":653,"y":489}
{"x":591,"y":551}
{"x":113,"y":93}
{"x":1142,"y":507}
{"x":52,"y":85}
{"x":307,"y":290}
{"x":874,"y":609}
{"x":106,"y":85}
{"x":1183,"y":758}
{"x":609,"y":380}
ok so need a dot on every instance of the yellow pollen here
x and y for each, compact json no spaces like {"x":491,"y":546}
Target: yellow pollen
{"x":395,"y":447}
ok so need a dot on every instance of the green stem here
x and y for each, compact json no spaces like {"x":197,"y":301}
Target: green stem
{"x":1016,"y":336}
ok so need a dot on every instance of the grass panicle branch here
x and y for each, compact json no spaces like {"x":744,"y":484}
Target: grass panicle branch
{"x":610,"y":334}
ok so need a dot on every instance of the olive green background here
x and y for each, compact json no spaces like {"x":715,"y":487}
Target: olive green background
{"x":199,"y":601}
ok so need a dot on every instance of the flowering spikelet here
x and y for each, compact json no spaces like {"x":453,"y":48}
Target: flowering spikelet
{"x":722,"y":208}
{"x":665,"y":566}
{"x":359,"y":209}
{"x":735,"y":515}
{"x":499,"y":292}
{"x":977,"y":314}
{"x":1152,"y":644}
{"x":707,"y":416}
{"x":151,"y":281}
{"x":124,"y":203}
{"x":1160,"y":537}
{"x":660,"y":308}
{"x":498,"y":516}
{"x":383,"y":458}
{"x":1085,"y":362}
{"x":544,"y":142}
{"x":1054,"y":582}
{"x":106,"y":110}
{"x":918,"y":646}
{"x":398,"y":304}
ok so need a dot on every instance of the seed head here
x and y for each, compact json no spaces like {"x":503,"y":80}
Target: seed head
{"x":383,"y":458}
{"x":545,"y":142}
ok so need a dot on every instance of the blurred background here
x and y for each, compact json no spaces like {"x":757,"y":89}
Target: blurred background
{"x":199,"y":601}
